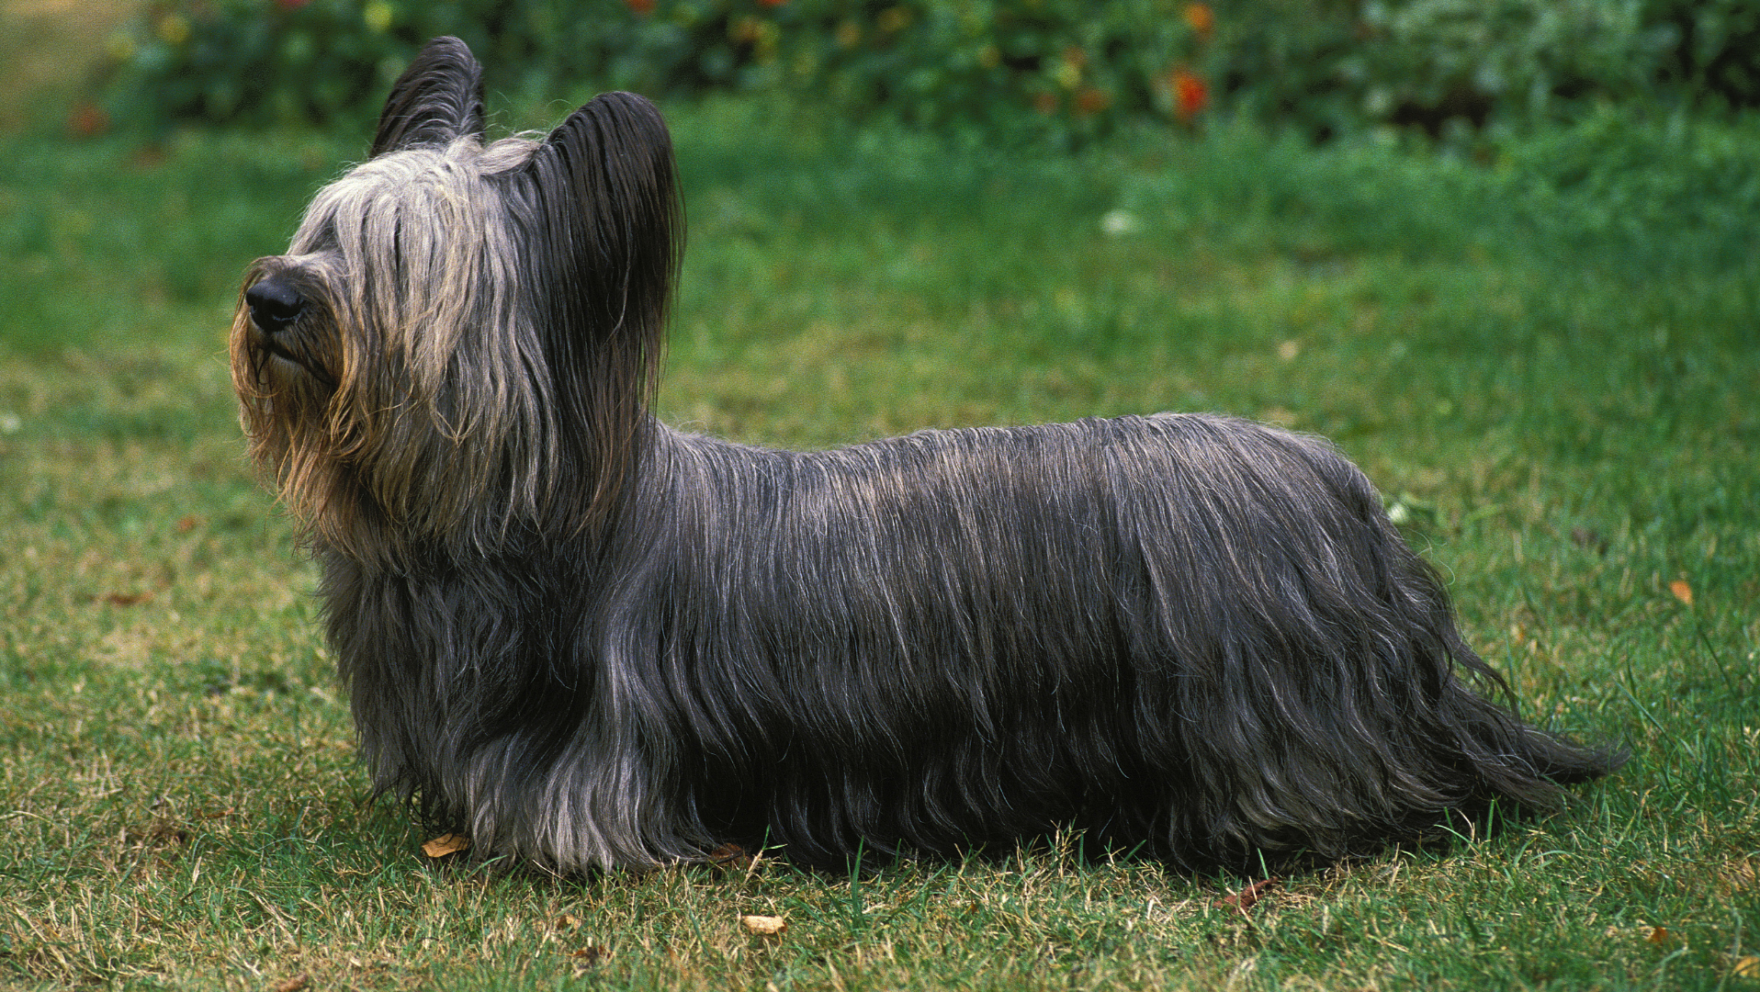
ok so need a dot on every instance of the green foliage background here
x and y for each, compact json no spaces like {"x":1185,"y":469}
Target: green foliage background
{"x":1058,"y":70}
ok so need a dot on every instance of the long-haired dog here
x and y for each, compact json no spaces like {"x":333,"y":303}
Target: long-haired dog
{"x":590,"y":640}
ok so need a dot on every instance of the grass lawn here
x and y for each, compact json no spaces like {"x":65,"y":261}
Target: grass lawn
{"x":1552,"y":371}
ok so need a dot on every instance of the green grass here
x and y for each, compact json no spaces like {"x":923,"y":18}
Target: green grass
{"x":1564,"y":393}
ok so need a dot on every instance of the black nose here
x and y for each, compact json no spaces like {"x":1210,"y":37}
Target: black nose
{"x":274,"y":305}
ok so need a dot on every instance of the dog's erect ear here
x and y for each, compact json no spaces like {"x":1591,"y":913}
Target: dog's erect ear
{"x":604,"y":197}
{"x":437,"y":99}
{"x":599,"y":202}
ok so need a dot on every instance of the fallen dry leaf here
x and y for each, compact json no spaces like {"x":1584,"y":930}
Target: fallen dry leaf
{"x":731,"y":856}
{"x":127,"y":598}
{"x":767,"y":926}
{"x":294,"y":984}
{"x":1657,"y":935}
{"x":446,"y":844}
{"x":1682,"y":591}
{"x":1243,"y":900}
{"x":1747,"y":966}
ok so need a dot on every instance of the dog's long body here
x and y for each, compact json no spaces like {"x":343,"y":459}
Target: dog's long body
{"x":592,"y":641}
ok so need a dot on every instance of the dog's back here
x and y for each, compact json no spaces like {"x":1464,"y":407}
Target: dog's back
{"x":1191,"y":634}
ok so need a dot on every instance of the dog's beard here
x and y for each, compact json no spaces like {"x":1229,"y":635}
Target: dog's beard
{"x":301,"y":355}
{"x":286,"y":390}
{"x":270,"y":356}
{"x":281,"y":371}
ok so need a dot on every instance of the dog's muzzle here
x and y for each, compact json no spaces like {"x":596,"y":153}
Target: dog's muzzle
{"x":274,"y":305}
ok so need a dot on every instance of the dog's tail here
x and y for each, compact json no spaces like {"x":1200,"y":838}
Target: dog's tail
{"x":1457,"y":740}
{"x":1472,"y":712}
{"x":1508,"y":756}
{"x":1329,"y":701}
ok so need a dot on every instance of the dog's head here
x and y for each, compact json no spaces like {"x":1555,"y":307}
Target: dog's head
{"x":459,"y":346}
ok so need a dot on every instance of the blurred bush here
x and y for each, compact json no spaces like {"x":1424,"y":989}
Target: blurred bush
{"x":1065,"y":69}
{"x":1058,"y":70}
{"x":282,"y":61}
{"x":1456,"y":68}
